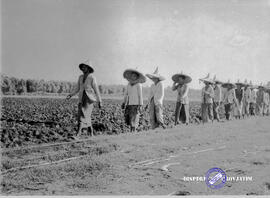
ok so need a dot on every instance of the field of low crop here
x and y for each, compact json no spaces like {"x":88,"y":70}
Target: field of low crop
{"x":40,"y":157}
{"x":27,"y":121}
{"x":152,"y":162}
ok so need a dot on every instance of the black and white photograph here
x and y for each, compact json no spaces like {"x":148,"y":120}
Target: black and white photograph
{"x":135,"y":97}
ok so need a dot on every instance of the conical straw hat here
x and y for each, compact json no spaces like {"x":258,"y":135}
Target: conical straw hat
{"x":186,"y":78}
{"x":155,"y":75}
{"x":207,"y":79}
{"x":88,"y":65}
{"x":252,"y":86}
{"x":240,"y":83}
{"x":228,"y":84}
{"x":128,"y":72}
{"x":216,"y":80}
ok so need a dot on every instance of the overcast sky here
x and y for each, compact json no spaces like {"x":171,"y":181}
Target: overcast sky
{"x":47,"y":39}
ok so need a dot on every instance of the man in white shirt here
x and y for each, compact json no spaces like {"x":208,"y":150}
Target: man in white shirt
{"x":133,"y":99}
{"x":207,"y":101}
{"x":182,"y":104}
{"x":253,"y":99}
{"x":229,"y":99}
{"x":155,"y":100}
{"x":217,"y":99}
{"x":260,"y":101}
{"x":246,"y":99}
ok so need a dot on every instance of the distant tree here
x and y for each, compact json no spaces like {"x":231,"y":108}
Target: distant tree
{"x":23,"y":83}
{"x":41,"y":86}
{"x":48,"y":87}
{"x":68,"y":87}
{"x":5,"y":84}
{"x":100,"y":89}
{"x":110,"y":91}
{"x":53,"y":88}
{"x":21,"y":87}
{"x":61,"y":87}
{"x":13,"y":85}
{"x":56,"y":87}
{"x":31,"y":86}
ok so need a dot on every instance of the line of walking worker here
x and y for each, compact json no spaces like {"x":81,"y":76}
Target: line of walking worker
{"x":240,"y":99}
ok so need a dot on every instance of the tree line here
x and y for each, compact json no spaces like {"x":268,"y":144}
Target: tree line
{"x":18,"y":86}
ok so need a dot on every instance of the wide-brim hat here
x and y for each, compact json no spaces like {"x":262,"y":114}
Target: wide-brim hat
{"x":128,"y":72}
{"x":240,"y":83}
{"x":207,"y":79}
{"x":215,"y":80}
{"x":251,"y":86}
{"x":266,"y":88}
{"x":246,"y":84}
{"x":254,"y":87}
{"x":155,"y":75}
{"x":91,"y":70}
{"x":228,"y":84}
{"x":261,"y":86}
{"x":186,"y":78}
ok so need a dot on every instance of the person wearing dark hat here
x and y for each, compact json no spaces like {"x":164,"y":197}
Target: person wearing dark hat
{"x":133,"y":99}
{"x":208,"y":95}
{"x":229,"y":99}
{"x":88,"y":94}
{"x":182,"y":105}
{"x":246,"y":99}
{"x":155,"y":101}
{"x":239,"y":93}
{"x":253,"y":100}
{"x":217,"y":98}
{"x":259,"y":100}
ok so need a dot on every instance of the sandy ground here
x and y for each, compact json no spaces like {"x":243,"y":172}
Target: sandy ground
{"x":155,"y":162}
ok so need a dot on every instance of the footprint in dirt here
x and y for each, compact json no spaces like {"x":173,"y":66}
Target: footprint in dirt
{"x":252,"y":193}
{"x":180,"y":193}
{"x":239,"y":172}
{"x":166,"y":176}
{"x":257,"y":163}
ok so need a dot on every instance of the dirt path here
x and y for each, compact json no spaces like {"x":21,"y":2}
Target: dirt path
{"x":240,"y":148}
{"x":155,"y":162}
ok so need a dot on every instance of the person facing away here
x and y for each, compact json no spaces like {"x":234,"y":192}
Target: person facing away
{"x":133,"y":100}
{"x":217,"y":100}
{"x":88,"y":91}
{"x":155,"y":100}
{"x":182,"y":104}
{"x":229,"y":100}
{"x":239,"y":94}
{"x":207,"y":100}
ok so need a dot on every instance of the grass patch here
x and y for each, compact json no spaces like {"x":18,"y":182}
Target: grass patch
{"x":88,"y":167}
